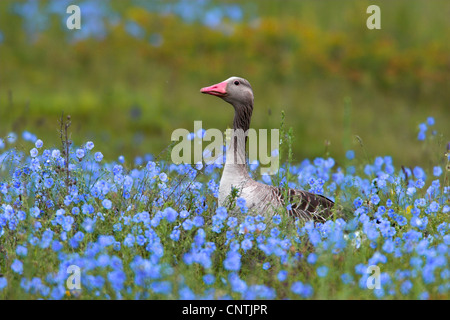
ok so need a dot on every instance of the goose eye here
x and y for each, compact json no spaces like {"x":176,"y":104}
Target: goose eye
{"x":236,"y":82}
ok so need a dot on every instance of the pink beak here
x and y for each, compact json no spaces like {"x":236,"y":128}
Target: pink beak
{"x":219,"y":89}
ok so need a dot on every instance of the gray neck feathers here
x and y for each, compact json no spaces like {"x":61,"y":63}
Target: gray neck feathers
{"x":242,"y":117}
{"x":237,"y":148}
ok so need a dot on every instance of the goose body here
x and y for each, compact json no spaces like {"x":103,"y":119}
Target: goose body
{"x":261,"y":198}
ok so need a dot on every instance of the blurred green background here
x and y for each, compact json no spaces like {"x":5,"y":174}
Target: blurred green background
{"x":132,"y":74}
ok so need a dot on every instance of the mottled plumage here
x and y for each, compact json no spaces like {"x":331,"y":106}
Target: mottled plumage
{"x":259,"y":197}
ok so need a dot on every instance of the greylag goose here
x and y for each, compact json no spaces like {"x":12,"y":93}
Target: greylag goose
{"x":259,"y":197}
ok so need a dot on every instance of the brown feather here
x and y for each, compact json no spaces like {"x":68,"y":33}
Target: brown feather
{"x":306,"y":205}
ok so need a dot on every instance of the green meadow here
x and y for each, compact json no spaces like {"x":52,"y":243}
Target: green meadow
{"x":334,"y":78}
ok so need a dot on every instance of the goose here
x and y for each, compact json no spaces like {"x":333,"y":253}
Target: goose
{"x":260,"y":197}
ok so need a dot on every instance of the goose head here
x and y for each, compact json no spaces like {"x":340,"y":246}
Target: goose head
{"x":235,"y":90}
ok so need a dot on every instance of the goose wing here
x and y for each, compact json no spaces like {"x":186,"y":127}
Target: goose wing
{"x":306,"y":205}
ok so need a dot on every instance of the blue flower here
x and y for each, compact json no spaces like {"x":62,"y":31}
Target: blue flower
{"x":314,"y":237}
{"x":3,"y":283}
{"x":12,"y":137}
{"x":419,"y":173}
{"x":421,"y":136}
{"x":170,"y":214}
{"x":17,"y":266}
{"x":80,"y":153}
{"x":140,"y":240}
{"x":56,"y":153}
{"x":89,"y":145}
{"x":266,"y":178}
{"x":175,"y":234}
{"x":423,"y":127}
{"x":350,"y":154}
{"x":357,"y":202}
{"x":38,"y":143}
{"x":424,"y":296}
{"x":48,"y":183}
{"x":198,"y":221}
{"x":377,"y":258}
{"x":117,"y":278}
{"x":240,"y":202}
{"x":105,"y":241}
{"x":79,"y":236}
{"x":232,"y":261}
{"x":88,"y":225}
{"x":21,"y":215}
{"x":129,"y":240}
{"x":312,"y":258}
{"x":184,"y":214}
{"x":107,"y":204}
{"x":87,"y":209}
{"x":437,"y":171}
{"x":419,"y":183}
{"x":98,"y":156}
{"x":163,"y":287}
{"x":378,"y":162}
{"x":163,"y":177}
{"x":35,"y":212}
{"x":276,"y":219}
{"x":301,"y":289}
{"x":186,"y":294}
{"x":21,"y":250}
{"x":200,"y":237}
{"x":237,"y":284}
{"x":187,"y":224}
{"x":375,"y":199}
{"x":388,"y":246}
{"x":34,"y":152}
{"x":209,"y":279}
{"x":56,"y":246}
{"x":232,"y":222}
{"x":434,"y":207}
{"x":322,"y":271}
{"x":346,"y":278}
{"x":282,"y":275}
{"x":410,"y":191}
{"x":266,"y":266}
{"x":246,"y":244}
{"x":406,"y":286}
